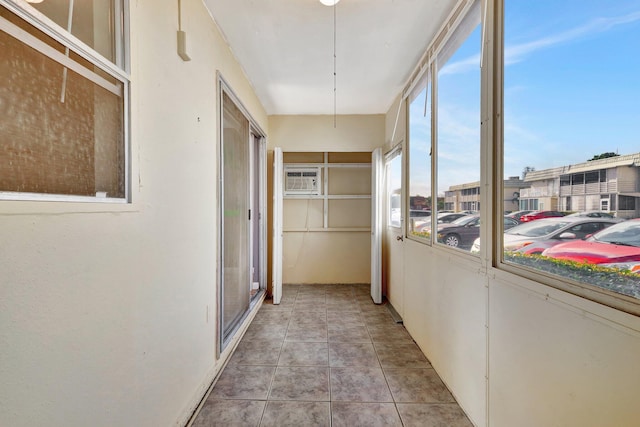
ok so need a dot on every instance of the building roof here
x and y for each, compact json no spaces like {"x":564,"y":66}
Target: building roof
{"x":544,"y":174}
{"x":608,"y":163}
{"x":475,"y":184}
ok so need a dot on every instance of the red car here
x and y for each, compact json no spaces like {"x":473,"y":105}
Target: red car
{"x":539,"y":215}
{"x":617,"y":246}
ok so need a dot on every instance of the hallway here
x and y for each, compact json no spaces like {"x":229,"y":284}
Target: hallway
{"x":328,"y":356}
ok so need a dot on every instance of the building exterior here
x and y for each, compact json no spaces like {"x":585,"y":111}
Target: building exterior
{"x":610,"y":185}
{"x":542,"y":193}
{"x":466,"y":197}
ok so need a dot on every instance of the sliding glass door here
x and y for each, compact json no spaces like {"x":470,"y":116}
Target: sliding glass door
{"x":235,"y":216}
{"x":242,"y":205}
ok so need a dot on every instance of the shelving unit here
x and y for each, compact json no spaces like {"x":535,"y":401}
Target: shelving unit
{"x":344,"y":203}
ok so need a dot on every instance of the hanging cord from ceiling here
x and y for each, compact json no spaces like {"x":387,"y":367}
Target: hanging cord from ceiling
{"x":182,"y":36}
{"x":63,"y":90}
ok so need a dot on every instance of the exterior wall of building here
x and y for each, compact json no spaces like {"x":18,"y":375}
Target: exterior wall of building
{"x":562,"y":192}
{"x":628,"y":179}
{"x":512,"y":192}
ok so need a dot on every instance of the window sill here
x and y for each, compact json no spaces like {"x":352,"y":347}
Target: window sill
{"x":36,"y":204}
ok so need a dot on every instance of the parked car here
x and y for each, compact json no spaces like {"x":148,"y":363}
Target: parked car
{"x":593,"y":214}
{"x":463,"y":231}
{"x":575,"y":228}
{"x":535,"y":215}
{"x":415,"y":213}
{"x":443,"y":218}
{"x":535,"y":237}
{"x":617,"y":246}
{"x":517,"y":214}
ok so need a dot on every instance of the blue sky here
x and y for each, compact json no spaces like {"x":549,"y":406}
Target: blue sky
{"x":572,"y":90}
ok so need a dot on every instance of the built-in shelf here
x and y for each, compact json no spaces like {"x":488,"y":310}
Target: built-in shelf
{"x":345,"y":194}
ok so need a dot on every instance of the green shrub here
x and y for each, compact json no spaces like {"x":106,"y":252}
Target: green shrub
{"x":423,"y":234}
{"x":620,"y":281}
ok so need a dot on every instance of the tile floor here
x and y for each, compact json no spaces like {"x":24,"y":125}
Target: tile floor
{"x":327,"y":356}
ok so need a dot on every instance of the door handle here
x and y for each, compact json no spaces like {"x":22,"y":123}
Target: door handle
{"x":400,"y":238}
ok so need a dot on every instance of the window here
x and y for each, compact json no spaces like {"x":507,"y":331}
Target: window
{"x":603,"y":175}
{"x":529,"y":204}
{"x":394,"y":189}
{"x":64,"y":127}
{"x":627,"y":203}
{"x":570,"y":109}
{"x":577,"y":179}
{"x":458,"y":124}
{"x":420,"y":202}
{"x":592,"y":177}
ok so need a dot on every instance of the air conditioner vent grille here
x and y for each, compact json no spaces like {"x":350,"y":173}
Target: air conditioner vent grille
{"x":304,"y":181}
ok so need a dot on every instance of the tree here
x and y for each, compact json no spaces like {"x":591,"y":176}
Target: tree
{"x":603,"y":156}
{"x":526,"y":170}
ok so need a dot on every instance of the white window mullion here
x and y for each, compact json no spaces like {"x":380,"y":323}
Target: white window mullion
{"x":59,"y":34}
{"x":57,"y":56}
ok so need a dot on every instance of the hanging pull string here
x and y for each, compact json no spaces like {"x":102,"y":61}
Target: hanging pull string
{"x":63,"y":90}
{"x":179,"y":15}
{"x":334,"y":67}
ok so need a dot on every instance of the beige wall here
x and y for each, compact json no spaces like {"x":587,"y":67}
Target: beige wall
{"x":108,"y":312}
{"x":317,"y":133}
{"x":325,"y":256}
{"x":515,"y":352}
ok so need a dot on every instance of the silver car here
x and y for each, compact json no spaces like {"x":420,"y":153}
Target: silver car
{"x":550,"y":231}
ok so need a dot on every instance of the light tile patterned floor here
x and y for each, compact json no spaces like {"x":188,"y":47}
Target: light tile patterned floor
{"x":327,"y":356}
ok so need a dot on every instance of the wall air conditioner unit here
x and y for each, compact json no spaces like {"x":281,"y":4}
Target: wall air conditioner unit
{"x":302,"y":181}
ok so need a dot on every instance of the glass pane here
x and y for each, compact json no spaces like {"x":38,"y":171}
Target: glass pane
{"x":61,"y":133}
{"x":92,"y":21}
{"x":235,"y":215}
{"x":394,"y":191}
{"x":571,"y":130}
{"x":420,"y":205}
{"x":458,"y":113}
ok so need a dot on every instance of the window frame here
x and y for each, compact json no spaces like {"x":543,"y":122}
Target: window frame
{"x":426,"y":74}
{"x":539,"y":278}
{"x":119,"y":71}
{"x":429,"y":87}
{"x":223,"y":88}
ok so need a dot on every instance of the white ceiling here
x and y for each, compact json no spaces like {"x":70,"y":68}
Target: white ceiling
{"x":286,"y":49}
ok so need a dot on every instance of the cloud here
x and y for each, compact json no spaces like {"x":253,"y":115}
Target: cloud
{"x":517,"y":53}
{"x":459,"y":67}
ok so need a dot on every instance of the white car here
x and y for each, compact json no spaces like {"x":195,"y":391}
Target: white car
{"x":550,"y":230}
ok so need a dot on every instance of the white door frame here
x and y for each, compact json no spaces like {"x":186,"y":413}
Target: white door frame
{"x":376,"y":225}
{"x":276,"y":276}
{"x":394,"y":235}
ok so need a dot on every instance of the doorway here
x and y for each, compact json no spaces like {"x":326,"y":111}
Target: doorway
{"x":241,"y":209}
{"x":394,"y":230}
